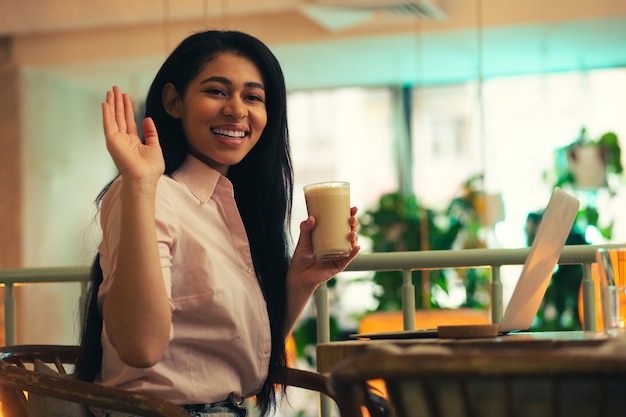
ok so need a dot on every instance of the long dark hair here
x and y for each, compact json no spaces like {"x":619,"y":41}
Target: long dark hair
{"x":263,"y":184}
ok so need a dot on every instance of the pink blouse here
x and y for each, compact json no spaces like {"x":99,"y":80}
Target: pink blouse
{"x":220,"y":338}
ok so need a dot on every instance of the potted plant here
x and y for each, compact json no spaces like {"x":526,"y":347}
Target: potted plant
{"x":586,"y":166}
{"x":585,"y":163}
{"x":401,"y":223}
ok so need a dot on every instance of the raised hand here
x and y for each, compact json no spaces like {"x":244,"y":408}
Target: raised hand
{"x":134,"y":159}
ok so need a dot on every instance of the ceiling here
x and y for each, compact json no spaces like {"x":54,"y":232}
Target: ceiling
{"x":319,"y":44}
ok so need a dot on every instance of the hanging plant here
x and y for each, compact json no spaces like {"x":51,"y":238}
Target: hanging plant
{"x":585,"y":163}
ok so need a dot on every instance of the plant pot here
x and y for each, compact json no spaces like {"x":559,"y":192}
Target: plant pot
{"x":587,"y":165}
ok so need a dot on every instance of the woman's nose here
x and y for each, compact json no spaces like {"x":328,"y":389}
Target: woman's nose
{"x":235,"y":108}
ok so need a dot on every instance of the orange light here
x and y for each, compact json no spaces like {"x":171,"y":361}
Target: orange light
{"x":387,"y":321}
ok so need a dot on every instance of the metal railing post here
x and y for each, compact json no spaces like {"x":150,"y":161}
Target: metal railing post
{"x":408,"y":300}
{"x":322,"y":313}
{"x":323,"y":335}
{"x":9,"y":315}
{"x":589,"y":298}
{"x":497,"y":303}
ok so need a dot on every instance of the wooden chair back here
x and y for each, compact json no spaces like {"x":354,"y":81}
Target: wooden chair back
{"x":476,"y":383}
{"x":19,"y":382}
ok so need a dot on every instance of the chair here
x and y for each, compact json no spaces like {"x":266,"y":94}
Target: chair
{"x":446,"y":382}
{"x":28,"y":368}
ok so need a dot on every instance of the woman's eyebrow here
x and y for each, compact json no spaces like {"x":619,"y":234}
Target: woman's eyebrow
{"x":224,"y":80}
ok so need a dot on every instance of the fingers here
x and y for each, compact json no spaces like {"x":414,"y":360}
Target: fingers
{"x":118,"y":109}
{"x":129,"y":115}
{"x":307,"y":225}
{"x":354,"y":225}
{"x":117,"y":113}
{"x":106,"y":119}
{"x":354,"y":239}
{"x":354,"y":252}
{"x":353,"y":221}
{"x":150,"y":132}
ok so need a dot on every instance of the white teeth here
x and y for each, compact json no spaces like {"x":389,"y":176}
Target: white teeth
{"x":230,"y":133}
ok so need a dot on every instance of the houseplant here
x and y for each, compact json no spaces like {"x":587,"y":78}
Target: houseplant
{"x":401,"y":223}
{"x":586,"y":166}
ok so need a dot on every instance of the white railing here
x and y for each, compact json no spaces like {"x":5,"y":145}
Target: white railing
{"x":9,"y":278}
{"x":406,"y":262}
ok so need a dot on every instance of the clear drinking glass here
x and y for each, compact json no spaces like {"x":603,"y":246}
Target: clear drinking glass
{"x":612,"y":274}
{"x":329,"y":203}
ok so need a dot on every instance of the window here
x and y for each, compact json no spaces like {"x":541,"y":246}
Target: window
{"x":342,"y":134}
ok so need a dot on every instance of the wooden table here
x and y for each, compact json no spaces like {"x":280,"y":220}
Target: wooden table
{"x":331,"y":353}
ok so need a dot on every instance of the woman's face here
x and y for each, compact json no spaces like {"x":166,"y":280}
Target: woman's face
{"x":223,"y":111}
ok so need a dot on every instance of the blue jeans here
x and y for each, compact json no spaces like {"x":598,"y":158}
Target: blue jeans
{"x":226,"y":408}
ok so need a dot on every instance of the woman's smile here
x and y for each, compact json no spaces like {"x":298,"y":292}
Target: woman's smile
{"x":230,"y":136}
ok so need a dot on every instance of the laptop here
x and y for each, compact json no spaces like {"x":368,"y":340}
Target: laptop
{"x":554,"y":228}
{"x":543,"y":256}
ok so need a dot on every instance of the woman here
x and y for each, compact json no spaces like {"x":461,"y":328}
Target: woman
{"x":193,"y":289}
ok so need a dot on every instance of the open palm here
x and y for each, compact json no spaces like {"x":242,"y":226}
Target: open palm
{"x":134,"y":159}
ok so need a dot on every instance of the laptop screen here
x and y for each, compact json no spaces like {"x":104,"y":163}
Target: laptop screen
{"x":542,"y":258}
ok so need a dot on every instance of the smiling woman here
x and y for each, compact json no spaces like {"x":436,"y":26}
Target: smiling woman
{"x":194,"y":273}
{"x":222,"y":110}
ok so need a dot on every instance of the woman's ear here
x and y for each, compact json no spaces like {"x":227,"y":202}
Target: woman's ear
{"x":171,"y":100}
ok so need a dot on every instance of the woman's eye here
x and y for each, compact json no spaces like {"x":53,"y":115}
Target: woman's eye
{"x":255,"y":97}
{"x":214,"y":91}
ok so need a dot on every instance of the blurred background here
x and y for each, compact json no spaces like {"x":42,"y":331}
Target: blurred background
{"x":452,"y":119}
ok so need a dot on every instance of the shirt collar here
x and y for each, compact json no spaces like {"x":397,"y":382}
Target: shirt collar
{"x":199,"y":178}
